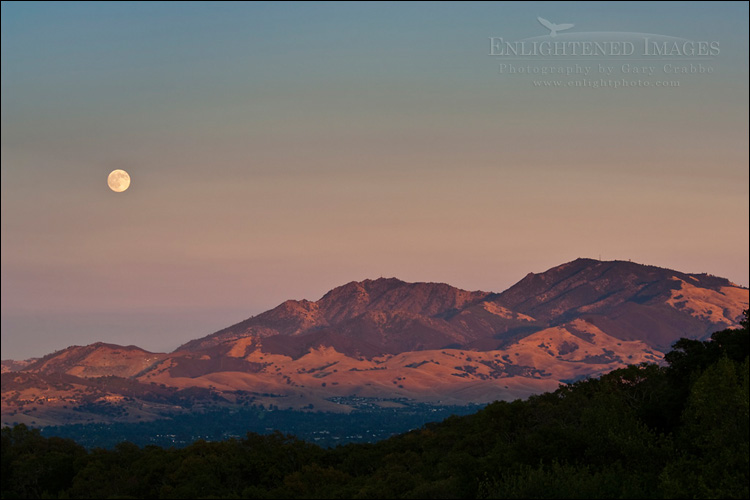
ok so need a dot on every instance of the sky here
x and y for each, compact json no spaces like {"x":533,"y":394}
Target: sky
{"x":278,"y":150}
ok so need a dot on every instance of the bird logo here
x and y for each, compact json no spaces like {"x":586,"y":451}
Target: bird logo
{"x":552,"y":27}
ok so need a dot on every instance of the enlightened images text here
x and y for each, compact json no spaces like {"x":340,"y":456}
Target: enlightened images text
{"x":499,"y":47}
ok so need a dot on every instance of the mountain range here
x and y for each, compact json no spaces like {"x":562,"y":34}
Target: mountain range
{"x":388,"y":341}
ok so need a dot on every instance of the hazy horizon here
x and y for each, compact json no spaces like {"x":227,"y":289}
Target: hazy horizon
{"x":278,"y":150}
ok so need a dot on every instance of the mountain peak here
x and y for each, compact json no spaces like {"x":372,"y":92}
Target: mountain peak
{"x":367,"y":286}
{"x":382,"y":281}
{"x":343,"y":303}
{"x":643,"y":300}
{"x":388,"y":294}
{"x":621,"y":292}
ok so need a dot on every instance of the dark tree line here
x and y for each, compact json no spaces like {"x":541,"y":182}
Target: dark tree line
{"x":645,"y":431}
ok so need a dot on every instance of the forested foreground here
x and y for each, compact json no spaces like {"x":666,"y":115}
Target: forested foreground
{"x":678,"y":431}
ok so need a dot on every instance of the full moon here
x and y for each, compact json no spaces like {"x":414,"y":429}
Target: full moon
{"x":118,"y":181}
